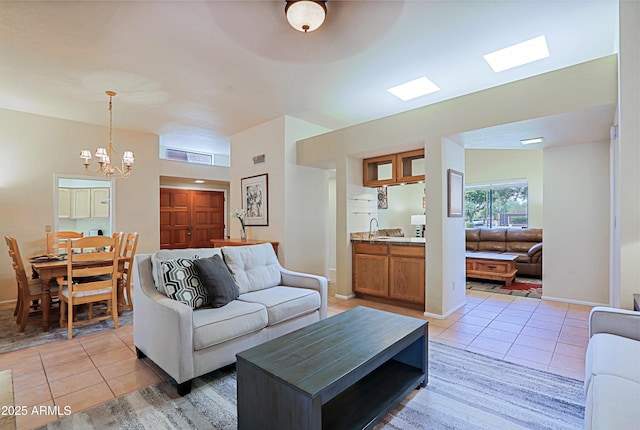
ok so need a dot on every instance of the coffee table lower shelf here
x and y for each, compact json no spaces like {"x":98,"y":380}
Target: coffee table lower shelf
{"x":371,"y":399}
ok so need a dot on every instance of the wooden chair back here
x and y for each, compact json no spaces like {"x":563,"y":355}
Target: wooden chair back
{"x":91,"y":277}
{"x":57,"y":241}
{"x":130,"y":244}
{"x":120,"y":236}
{"x":18,"y":267}
{"x":29,"y":290}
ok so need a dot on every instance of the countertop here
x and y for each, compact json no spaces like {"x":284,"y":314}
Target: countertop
{"x":410,"y":241}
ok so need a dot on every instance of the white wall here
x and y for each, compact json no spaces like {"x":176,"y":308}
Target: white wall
{"x":576,"y":229}
{"x":629,"y":153}
{"x":486,"y":165}
{"x":298,"y":195}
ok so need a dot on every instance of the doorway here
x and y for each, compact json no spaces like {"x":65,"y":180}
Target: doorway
{"x":190,"y":218}
{"x":83,"y":205}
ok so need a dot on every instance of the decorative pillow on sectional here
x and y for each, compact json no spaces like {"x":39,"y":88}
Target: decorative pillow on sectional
{"x":181,"y":282}
{"x":214,"y":275}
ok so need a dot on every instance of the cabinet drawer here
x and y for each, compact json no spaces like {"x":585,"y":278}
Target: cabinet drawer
{"x":407,"y":251}
{"x":370,"y":248}
{"x":494,"y":267}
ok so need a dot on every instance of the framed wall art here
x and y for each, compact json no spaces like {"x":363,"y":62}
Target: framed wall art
{"x":255,"y":199}
{"x":455,"y":192}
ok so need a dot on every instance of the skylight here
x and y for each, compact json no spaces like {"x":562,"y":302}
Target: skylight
{"x":413,"y":89}
{"x":517,"y":55}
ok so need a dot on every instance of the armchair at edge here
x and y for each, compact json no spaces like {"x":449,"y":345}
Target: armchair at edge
{"x":525,"y":243}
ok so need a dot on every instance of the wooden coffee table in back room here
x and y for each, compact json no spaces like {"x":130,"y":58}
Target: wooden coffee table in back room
{"x":345,"y":372}
{"x":491,"y":266}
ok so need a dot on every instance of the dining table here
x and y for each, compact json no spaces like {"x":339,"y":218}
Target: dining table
{"x":50,"y":268}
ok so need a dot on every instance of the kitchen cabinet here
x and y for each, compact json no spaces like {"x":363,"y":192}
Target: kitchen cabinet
{"x":64,"y":203}
{"x":100,"y":203}
{"x":406,"y":273}
{"x":410,"y":166}
{"x":389,"y":272}
{"x":380,"y":171}
{"x":80,"y":203}
{"x":371,"y":269}
{"x":394,"y":169}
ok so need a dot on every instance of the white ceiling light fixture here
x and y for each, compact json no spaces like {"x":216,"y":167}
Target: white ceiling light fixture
{"x":532,"y":141}
{"x":517,"y":55}
{"x":305,"y":15}
{"x":104,"y":155}
{"x":199,"y":181}
{"x":413,"y":89}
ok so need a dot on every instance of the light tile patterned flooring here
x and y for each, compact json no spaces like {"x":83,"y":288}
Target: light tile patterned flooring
{"x":90,"y":370}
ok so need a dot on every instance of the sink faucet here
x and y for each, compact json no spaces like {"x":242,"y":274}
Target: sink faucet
{"x":373,"y":233}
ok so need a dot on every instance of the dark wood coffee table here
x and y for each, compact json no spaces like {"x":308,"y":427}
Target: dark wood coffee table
{"x":345,"y":372}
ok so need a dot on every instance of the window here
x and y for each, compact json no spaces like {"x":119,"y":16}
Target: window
{"x":501,"y":204}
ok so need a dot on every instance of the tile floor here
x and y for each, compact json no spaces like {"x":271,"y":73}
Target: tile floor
{"x":90,"y":370}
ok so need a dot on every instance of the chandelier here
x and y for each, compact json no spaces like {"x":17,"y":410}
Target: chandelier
{"x":305,"y":15}
{"x":105,"y":155}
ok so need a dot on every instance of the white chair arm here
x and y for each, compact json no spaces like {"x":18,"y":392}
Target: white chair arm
{"x":620,"y":322}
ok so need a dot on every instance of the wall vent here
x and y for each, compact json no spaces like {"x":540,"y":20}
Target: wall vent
{"x":188,"y":156}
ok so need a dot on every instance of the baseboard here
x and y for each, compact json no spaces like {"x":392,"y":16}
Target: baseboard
{"x":8,"y":304}
{"x":573,"y":302}
{"x":340,"y":296}
{"x":441,"y":317}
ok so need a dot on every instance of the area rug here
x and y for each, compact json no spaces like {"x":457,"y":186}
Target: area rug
{"x":466,"y":391}
{"x":11,"y":340}
{"x":524,"y":287}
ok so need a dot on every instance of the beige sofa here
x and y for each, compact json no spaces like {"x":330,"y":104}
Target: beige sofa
{"x":612,"y":370}
{"x":187,"y":343}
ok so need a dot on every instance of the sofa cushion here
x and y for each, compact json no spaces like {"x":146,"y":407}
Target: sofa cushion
{"x":214,"y":275}
{"x":608,"y":354}
{"x":284,"y":303}
{"x":212,"y":326}
{"x":493,"y":234}
{"x":524,"y":235}
{"x":491,"y":246}
{"x":519,"y":246}
{"x":182,"y":283}
{"x":472,"y":234}
{"x":521,"y":257}
{"x":253,"y":267}
{"x":612,"y":403}
{"x":171,"y":254}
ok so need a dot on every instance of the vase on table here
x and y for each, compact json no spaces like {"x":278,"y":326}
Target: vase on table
{"x":243,"y":235}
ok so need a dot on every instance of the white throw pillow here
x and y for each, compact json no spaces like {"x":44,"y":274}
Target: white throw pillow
{"x":253,"y":267}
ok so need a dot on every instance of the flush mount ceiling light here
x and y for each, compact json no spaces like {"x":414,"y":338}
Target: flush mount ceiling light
{"x":305,"y":15}
{"x":412,"y":89}
{"x":519,"y":54}
{"x":105,"y":155}
{"x":532,"y":140}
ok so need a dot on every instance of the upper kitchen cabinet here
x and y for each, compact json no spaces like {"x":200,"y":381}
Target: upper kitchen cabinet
{"x":410,"y":166}
{"x":394,"y":169}
{"x":99,"y":202}
{"x":380,"y":171}
{"x":80,"y":203}
{"x":64,"y":203}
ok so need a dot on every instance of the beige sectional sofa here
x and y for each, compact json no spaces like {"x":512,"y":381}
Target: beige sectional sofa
{"x":187,"y":343}
{"x":612,"y":370}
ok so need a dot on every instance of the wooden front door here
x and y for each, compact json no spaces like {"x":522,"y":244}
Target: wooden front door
{"x":190,"y":218}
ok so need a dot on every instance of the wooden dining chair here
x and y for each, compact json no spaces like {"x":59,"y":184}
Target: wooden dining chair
{"x":120,"y":236}
{"x":91,"y":278}
{"x":29,"y":290}
{"x":57,"y":241}
{"x":130,"y":244}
